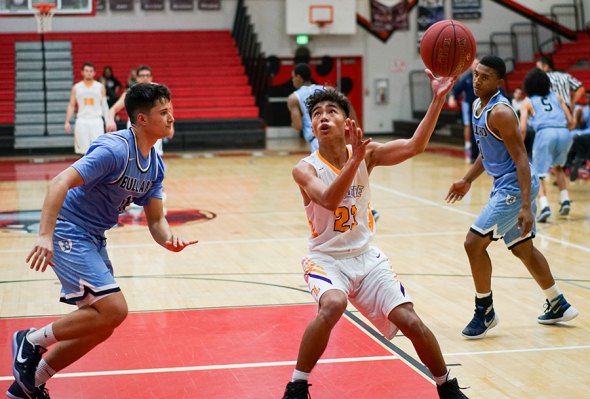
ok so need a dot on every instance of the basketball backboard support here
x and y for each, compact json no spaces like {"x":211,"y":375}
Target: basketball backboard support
{"x":319,"y":17}
{"x":20,"y":8}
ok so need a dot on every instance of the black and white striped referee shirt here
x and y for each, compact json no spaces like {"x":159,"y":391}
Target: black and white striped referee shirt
{"x":562,"y":83}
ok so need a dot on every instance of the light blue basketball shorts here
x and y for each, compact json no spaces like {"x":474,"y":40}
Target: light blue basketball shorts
{"x":550,"y":148}
{"x":499,"y":217}
{"x":82,"y":265}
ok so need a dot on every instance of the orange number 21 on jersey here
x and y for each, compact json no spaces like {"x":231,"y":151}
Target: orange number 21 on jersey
{"x":343,"y":218}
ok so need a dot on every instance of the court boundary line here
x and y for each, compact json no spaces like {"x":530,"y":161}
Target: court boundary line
{"x":210,"y":367}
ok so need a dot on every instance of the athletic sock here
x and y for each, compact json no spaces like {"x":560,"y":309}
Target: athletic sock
{"x":300,"y":375}
{"x":43,"y":373}
{"x":43,"y":337}
{"x":552,"y":292}
{"x":443,"y":378}
{"x":564,"y":195}
{"x":543,"y":202}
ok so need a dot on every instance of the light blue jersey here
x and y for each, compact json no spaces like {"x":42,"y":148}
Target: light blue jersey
{"x":494,"y":155}
{"x":499,"y":218}
{"x":115,"y":174}
{"x":303,"y":93}
{"x":552,"y":137}
{"x":548,"y":112}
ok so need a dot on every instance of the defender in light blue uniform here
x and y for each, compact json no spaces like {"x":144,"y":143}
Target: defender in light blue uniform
{"x":510,"y":209}
{"x":81,"y":203}
{"x":115,"y":174}
{"x":300,"y":119}
{"x":551,"y":119}
{"x":499,"y":217}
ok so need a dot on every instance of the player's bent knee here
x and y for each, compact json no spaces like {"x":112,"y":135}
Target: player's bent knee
{"x":332,"y":306}
{"x":113,"y":310}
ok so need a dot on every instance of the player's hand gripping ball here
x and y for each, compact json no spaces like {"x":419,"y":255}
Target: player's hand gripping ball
{"x":448,"y":48}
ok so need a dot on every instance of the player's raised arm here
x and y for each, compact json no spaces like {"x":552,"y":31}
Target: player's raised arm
{"x":397,"y":151}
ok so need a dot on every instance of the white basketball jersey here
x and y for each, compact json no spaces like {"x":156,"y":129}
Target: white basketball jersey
{"x":350,"y":228}
{"x":89,"y":100}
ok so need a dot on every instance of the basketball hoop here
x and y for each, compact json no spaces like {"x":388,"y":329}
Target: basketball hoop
{"x":44,"y":15}
{"x":321,"y":15}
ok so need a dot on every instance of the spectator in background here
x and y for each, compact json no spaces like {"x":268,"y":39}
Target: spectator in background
{"x":464,"y":88}
{"x":562,"y":83}
{"x":112,"y":85}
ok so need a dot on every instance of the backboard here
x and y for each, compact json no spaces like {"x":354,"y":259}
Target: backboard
{"x":12,"y":8}
{"x":315,"y":17}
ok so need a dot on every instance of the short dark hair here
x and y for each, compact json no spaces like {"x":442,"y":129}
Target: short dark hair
{"x":303,"y":70}
{"x":143,"y":68}
{"x":88,"y":64}
{"x":330,"y":95}
{"x":141,"y":97}
{"x":537,"y":83}
{"x":496,"y":63}
{"x":547,"y":61}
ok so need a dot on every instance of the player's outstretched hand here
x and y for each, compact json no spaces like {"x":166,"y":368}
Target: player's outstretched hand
{"x":355,"y":138}
{"x":41,"y":255}
{"x":457,"y":191}
{"x":441,"y":86}
{"x":177,"y":243}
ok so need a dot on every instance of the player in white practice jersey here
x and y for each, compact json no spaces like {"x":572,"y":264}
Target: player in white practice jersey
{"x":90,"y":98}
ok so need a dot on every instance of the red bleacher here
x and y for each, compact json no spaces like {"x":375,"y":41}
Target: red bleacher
{"x":565,"y":59}
{"x":202,"y":68}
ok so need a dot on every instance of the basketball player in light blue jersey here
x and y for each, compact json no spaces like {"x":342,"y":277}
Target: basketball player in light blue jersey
{"x":510,"y":209}
{"x":300,"y":120}
{"x":551,"y":119}
{"x":83,"y":202}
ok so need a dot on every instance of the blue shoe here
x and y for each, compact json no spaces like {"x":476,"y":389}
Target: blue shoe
{"x":559,"y":309}
{"x":16,"y":392}
{"x":483,"y":320}
{"x":26,"y":358}
{"x":297,"y":390}
{"x":544,"y":215}
{"x":564,"y":210}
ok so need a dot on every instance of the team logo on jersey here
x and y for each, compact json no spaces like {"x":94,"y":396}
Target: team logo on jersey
{"x":28,"y":221}
{"x":510,"y":199}
{"x":66,"y":245}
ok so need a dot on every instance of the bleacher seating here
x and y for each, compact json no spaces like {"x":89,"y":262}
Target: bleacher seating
{"x":573,"y":57}
{"x":202,"y":69}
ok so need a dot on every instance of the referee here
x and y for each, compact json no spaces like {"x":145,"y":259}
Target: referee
{"x":562,"y":83}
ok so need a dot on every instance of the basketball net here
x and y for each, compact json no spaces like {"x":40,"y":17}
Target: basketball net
{"x":44,"y":15}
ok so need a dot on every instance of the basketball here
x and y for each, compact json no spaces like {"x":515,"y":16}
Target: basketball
{"x":448,"y":48}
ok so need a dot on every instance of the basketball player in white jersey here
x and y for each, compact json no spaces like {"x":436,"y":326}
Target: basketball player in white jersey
{"x":90,"y":97}
{"x":144,"y":75}
{"x":341,"y":264}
